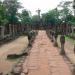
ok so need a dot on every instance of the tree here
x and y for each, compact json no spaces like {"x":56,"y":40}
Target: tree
{"x":3,"y":18}
{"x":25,"y":17}
{"x":12,"y":7}
{"x":65,"y":10}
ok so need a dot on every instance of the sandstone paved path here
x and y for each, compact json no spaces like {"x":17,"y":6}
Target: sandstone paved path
{"x":44,"y":59}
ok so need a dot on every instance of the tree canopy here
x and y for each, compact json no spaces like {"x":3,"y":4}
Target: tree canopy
{"x":9,"y":14}
{"x":25,"y":17}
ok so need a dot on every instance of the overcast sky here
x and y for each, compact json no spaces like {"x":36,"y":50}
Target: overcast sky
{"x":43,"y":5}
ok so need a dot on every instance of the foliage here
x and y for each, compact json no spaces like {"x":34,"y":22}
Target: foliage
{"x":52,"y":17}
{"x":9,"y":14}
{"x":35,"y":20}
{"x":3,"y":19}
{"x":71,"y":19}
{"x":65,"y":10}
{"x":25,"y":17}
{"x":12,"y":7}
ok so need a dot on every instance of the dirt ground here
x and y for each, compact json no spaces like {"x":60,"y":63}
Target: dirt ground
{"x":16,"y":46}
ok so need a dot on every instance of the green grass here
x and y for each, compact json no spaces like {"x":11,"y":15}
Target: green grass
{"x":70,"y":39}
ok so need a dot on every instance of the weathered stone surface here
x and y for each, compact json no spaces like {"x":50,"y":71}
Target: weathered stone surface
{"x":17,"y":70}
{"x":22,"y":73}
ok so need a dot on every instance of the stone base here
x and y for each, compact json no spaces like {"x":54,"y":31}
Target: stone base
{"x":56,"y":44}
{"x":52,"y":40}
{"x":62,"y":52}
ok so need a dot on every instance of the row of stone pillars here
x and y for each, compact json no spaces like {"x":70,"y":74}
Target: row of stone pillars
{"x":11,"y":31}
{"x":2,"y":32}
{"x":54,"y":37}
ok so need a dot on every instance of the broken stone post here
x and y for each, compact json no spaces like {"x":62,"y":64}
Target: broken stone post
{"x":52,"y":34}
{"x":55,"y":39}
{"x":10,"y":29}
{"x":29,"y":39}
{"x":62,"y":41}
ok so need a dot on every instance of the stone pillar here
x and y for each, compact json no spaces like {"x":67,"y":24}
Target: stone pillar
{"x":10,"y":30}
{"x":72,"y":30}
{"x":55,"y":39}
{"x":2,"y":31}
{"x":62,"y":41}
{"x":52,"y":35}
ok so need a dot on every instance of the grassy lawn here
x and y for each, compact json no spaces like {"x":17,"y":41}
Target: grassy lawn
{"x":70,"y":39}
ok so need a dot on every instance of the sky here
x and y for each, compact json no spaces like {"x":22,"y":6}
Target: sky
{"x":43,"y":5}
